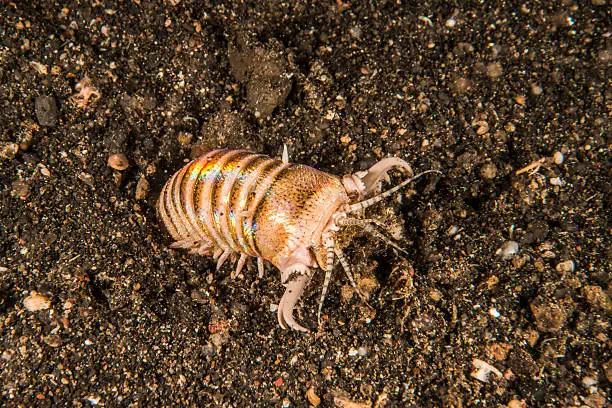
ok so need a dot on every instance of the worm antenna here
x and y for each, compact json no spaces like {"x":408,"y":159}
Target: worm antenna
{"x":378,"y":198}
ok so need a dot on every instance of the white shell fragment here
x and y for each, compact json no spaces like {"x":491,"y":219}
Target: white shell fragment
{"x":566,"y":266}
{"x":36,"y":302}
{"x":507,"y":250}
{"x":483,"y":370}
{"x":557,"y":181}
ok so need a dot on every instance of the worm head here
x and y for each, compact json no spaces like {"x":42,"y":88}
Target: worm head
{"x":364,"y":184}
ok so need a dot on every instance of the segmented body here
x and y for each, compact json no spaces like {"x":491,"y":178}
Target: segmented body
{"x":234,"y":201}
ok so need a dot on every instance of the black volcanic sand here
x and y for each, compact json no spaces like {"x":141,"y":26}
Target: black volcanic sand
{"x":508,"y":254}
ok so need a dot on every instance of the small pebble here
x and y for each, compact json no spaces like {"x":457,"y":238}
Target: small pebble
{"x":516,"y":404}
{"x":598,"y":298}
{"x":7,"y":355}
{"x":118,"y":161}
{"x":566,"y":266}
{"x":435,"y":295}
{"x":20,"y":189}
{"x":494,"y":70}
{"x":313,"y":398}
{"x":451,"y":22}
{"x":46,"y":110}
{"x":488,"y":171}
{"x":507,"y":250}
{"x":556,"y":181}
{"x":53,"y":340}
{"x":589,"y":381}
{"x":520,"y":99}
{"x":550,"y":315}
{"x":355,"y":32}
{"x":482,"y":127}
{"x":536,"y":90}
{"x":36,"y":302}
{"x":44,"y":170}
{"x":86,"y":178}
{"x":452,"y":230}
{"x":494,"y":312}
{"x":483,"y":370}
{"x":8,"y":150}
{"x":142,"y":189}
{"x":558,"y":158}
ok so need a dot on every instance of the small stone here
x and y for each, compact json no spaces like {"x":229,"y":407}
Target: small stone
{"x":507,"y":250}
{"x":451,"y":22}
{"x":36,"y":302}
{"x":494,"y":70}
{"x":598,"y":298}
{"x":341,"y":400}
{"x":550,"y":315}
{"x":557,"y":181}
{"x":462,"y":85}
{"x":595,"y":401}
{"x":482,"y":127}
{"x":536,"y":90}
{"x":488,"y":171}
{"x":483,"y":370}
{"x":44,"y":170}
{"x":346,"y":293}
{"x":435,"y":295}
{"x":219,"y":339}
{"x":46,"y":110}
{"x":7,"y":355}
{"x":500,"y":350}
{"x":313,"y":398}
{"x":86,"y":178}
{"x":53,"y":340}
{"x":8,"y":150}
{"x":558,"y":158}
{"x":522,"y":363}
{"x":589,"y":381}
{"x":532,"y":337}
{"x":93,"y":399}
{"x":566,"y":267}
{"x":142,"y":188}
{"x":355,"y":32}
{"x":20,"y":189}
{"x":118,"y":161}
{"x":517,"y":404}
